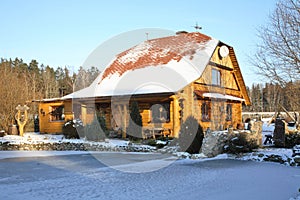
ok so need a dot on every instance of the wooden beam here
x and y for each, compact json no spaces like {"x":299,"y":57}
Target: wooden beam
{"x":176,"y":122}
{"x":220,"y":66}
{"x":288,"y":114}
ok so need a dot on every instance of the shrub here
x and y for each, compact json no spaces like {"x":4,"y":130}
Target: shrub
{"x":151,"y":142}
{"x":135,"y":122}
{"x":71,"y":129}
{"x":240,"y":143}
{"x":292,"y":139}
{"x":102,"y":121}
{"x":94,"y":131}
{"x":191,"y":136}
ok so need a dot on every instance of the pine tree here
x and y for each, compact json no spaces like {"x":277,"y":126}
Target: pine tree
{"x":134,"y":129}
{"x":191,"y":136}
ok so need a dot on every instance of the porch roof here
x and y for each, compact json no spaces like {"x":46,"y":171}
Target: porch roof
{"x":214,"y":95}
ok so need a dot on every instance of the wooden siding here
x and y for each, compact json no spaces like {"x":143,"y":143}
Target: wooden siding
{"x":231,"y":84}
{"x":45,"y":122}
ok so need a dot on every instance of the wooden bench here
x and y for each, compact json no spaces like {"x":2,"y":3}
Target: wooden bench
{"x":149,"y":132}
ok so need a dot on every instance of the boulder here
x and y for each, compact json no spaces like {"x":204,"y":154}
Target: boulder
{"x":213,"y":143}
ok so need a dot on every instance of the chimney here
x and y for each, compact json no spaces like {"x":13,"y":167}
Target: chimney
{"x":181,"y":32}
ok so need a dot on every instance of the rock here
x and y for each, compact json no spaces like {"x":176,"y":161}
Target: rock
{"x":297,"y":159}
{"x":296,"y":150}
{"x":274,"y":158}
{"x":213,"y":143}
{"x":256,"y":133}
{"x":260,"y":155}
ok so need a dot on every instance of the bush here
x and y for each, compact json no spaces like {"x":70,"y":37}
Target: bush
{"x":94,"y":131}
{"x":135,"y":122}
{"x":292,"y":139}
{"x":102,"y":122}
{"x":239,"y":143}
{"x":190,"y":136}
{"x":71,"y":129}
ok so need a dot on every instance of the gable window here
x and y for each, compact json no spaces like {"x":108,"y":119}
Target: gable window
{"x":228,"y":112}
{"x":160,"y":113}
{"x":205,"y":112}
{"x":216,"y":77}
{"x":57,"y":113}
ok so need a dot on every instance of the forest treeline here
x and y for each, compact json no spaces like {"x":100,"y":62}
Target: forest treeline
{"x":21,"y":83}
{"x":270,"y":97}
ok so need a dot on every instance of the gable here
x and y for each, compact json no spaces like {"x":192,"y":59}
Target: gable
{"x":228,"y":79}
{"x":224,"y":66}
{"x":231,"y":80}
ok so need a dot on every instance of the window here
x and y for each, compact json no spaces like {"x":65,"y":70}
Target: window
{"x":215,"y":77}
{"x":160,"y":113}
{"x":229,"y":112}
{"x":57,"y":113}
{"x":205,"y":112}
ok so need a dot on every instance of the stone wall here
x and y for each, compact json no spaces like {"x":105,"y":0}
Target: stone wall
{"x":67,"y":146}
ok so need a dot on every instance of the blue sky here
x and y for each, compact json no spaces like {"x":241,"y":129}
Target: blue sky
{"x":65,"y":32}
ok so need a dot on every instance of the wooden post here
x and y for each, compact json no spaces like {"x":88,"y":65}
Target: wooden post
{"x":288,"y":114}
{"x":125,"y":115}
{"x":84,"y":114}
{"x":176,"y":122}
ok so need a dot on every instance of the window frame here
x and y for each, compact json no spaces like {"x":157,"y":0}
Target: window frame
{"x":229,"y":112}
{"x":57,"y":113}
{"x":216,"y":77}
{"x":164,"y":113}
{"x":205,"y":111}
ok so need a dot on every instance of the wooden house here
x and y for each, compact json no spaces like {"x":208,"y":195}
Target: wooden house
{"x":171,"y":78}
{"x":53,"y":114}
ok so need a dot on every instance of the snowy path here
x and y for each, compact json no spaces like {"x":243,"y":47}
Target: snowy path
{"x":82,"y":176}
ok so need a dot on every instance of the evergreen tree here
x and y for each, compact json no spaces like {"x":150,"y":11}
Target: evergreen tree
{"x":191,"y":136}
{"x":134,"y":129}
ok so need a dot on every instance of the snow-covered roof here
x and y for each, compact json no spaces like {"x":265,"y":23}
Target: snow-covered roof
{"x":222,"y":96}
{"x":49,"y":99}
{"x":155,"y":66}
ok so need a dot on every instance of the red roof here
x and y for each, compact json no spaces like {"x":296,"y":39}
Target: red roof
{"x":156,"y":52}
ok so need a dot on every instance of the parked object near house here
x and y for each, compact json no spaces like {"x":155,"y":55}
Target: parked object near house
{"x":171,"y":78}
{"x":13,"y":129}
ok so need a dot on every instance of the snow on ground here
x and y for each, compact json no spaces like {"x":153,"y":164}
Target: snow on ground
{"x":24,"y":154}
{"x":70,"y":174}
{"x":82,"y":177}
{"x":36,"y":138}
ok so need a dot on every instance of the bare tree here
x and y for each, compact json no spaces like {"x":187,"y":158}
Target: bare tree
{"x":278,"y":54}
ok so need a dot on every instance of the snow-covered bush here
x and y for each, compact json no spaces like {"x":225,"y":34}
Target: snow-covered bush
{"x":240,"y":142}
{"x":71,"y":129}
{"x":190,"y":136}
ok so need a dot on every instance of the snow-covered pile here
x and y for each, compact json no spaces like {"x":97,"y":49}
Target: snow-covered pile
{"x":280,"y":155}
